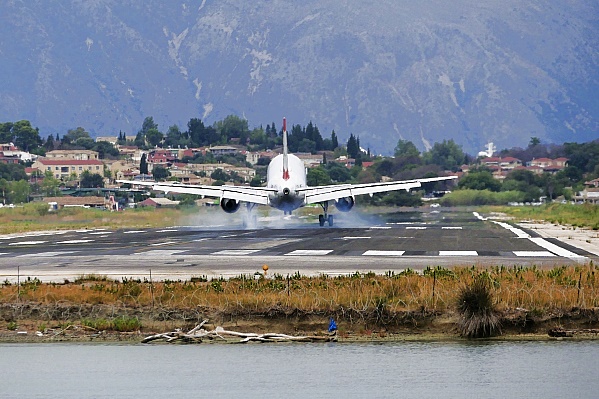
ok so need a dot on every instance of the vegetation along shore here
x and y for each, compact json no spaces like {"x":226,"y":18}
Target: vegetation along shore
{"x":467,"y":302}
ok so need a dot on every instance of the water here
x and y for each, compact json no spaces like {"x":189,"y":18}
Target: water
{"x":553,"y":369}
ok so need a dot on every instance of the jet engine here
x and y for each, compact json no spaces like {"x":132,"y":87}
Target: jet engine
{"x":229,"y":205}
{"x":345,"y":204}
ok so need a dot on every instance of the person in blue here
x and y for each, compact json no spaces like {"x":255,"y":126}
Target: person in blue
{"x":332,"y":326}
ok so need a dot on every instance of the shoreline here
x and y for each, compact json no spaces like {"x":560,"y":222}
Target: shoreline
{"x":517,"y":325}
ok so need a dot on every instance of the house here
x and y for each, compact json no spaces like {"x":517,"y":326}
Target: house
{"x":82,"y":155}
{"x":159,"y":203}
{"x":110,"y":139}
{"x":220,"y":150}
{"x":9,"y":153}
{"x":65,"y":167}
{"x":67,"y":201}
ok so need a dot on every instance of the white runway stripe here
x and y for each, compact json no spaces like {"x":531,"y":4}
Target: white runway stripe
{"x":541,"y":242}
{"x":533,"y":253}
{"x":159,"y":252}
{"x":28,"y":243}
{"x":458,"y":253}
{"x":163,"y":243}
{"x":236,"y":252}
{"x":46,"y":254}
{"x":451,"y":228}
{"x":74,"y":241}
{"x":133,"y":231}
{"x":309,"y":252}
{"x":383,"y":253}
{"x":415,"y":228}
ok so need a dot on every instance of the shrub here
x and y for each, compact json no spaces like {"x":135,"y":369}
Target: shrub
{"x":478,"y":318}
{"x":124,"y":324}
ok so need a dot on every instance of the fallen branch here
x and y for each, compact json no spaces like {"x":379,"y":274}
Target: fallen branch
{"x":198,"y":334}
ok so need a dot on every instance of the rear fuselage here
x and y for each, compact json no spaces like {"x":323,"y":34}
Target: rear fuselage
{"x":286,"y":198}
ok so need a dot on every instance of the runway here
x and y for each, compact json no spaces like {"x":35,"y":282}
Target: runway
{"x":377,"y":243}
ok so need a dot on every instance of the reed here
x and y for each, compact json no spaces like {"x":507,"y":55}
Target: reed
{"x":541,"y":290}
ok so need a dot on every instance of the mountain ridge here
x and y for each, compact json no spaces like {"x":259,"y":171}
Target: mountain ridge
{"x":470,"y":71}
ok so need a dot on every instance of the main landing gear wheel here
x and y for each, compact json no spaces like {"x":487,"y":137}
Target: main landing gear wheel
{"x":326,"y":218}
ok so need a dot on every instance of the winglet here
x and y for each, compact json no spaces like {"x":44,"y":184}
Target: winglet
{"x":285,"y":151}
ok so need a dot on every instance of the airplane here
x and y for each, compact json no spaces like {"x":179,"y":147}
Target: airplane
{"x":287,"y":190}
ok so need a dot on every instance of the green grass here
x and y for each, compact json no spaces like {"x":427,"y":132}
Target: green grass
{"x":584,"y":215}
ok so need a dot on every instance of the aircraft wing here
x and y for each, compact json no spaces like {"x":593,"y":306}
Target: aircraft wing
{"x":256,"y":195}
{"x":335,"y":192}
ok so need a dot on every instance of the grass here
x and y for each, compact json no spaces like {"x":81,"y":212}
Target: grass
{"x":543,"y":290}
{"x":35,"y":217}
{"x":583,"y":215}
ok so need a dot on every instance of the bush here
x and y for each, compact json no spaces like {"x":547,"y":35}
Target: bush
{"x":478,"y":318}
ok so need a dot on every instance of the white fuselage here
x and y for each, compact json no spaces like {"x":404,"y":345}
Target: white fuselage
{"x":286,"y":198}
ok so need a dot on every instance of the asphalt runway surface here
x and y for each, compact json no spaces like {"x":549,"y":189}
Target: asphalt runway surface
{"x":357,"y":243}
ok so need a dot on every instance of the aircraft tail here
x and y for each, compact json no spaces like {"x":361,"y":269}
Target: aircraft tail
{"x":285,"y":152}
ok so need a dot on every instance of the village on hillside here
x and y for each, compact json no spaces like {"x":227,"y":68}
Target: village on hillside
{"x":69,"y":167}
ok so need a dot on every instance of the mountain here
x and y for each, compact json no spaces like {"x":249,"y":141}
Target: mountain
{"x":469,"y":70}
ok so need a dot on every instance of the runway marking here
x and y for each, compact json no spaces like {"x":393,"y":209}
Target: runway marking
{"x":541,"y":242}
{"x":415,"y":228}
{"x":162,"y":243}
{"x":28,"y":243}
{"x":133,"y":231}
{"x":381,"y":227}
{"x":458,"y":253}
{"x":166,"y":231}
{"x":356,"y":238}
{"x":101,"y":232}
{"x":236,"y":252}
{"x":383,"y":253}
{"x":46,"y":254}
{"x":533,"y":253}
{"x":159,"y":252}
{"x":74,"y":241}
{"x":308,"y":252}
{"x":515,"y":230}
{"x":451,"y":228}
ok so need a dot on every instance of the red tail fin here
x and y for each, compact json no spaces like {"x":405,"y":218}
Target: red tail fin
{"x":285,"y":151}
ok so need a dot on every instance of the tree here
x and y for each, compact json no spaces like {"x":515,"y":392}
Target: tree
{"x":480,"y":180}
{"x":26,"y":137}
{"x":6,"y":134}
{"x":50,"y":185}
{"x":91,"y":180}
{"x":19,"y":191}
{"x":12,"y":172}
{"x":174,"y":138}
{"x":75,"y":134}
{"x":104,"y":149}
{"x":353,"y":146}
{"x":49,"y":144}
{"x":534,"y":141}
{"x":220,"y":174}
{"x":406,"y":148}
{"x":154,"y":137}
{"x":160,"y":173}
{"x":143,"y":165}
{"x":447,"y":154}
{"x":318,"y":177}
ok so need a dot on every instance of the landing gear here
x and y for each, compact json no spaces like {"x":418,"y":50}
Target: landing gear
{"x":326,"y":218}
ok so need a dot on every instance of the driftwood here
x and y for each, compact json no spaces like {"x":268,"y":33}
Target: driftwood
{"x":198,"y":334}
{"x":560,"y":332}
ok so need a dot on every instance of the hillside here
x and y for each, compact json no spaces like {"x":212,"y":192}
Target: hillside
{"x":474,"y":71}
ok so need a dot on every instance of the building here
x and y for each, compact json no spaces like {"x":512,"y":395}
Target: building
{"x":81,"y":155}
{"x":63,"y":168}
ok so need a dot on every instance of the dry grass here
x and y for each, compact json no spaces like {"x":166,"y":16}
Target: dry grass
{"x":35,"y":217}
{"x":532,"y":288}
